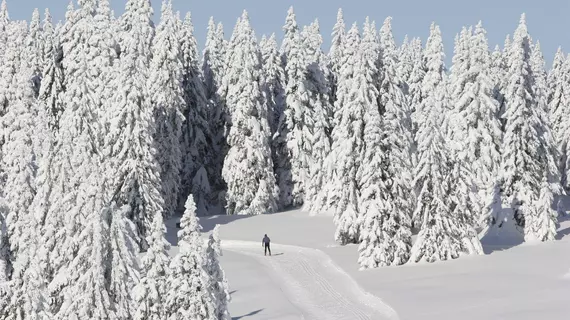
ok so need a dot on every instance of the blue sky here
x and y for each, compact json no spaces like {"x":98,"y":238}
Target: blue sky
{"x":548,"y":19}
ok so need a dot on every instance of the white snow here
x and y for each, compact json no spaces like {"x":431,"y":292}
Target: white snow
{"x":310,"y":277}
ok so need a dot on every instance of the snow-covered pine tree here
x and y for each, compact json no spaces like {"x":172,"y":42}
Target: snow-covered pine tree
{"x":458,"y":78}
{"x":4,"y":22}
{"x":151,"y":292}
{"x":213,"y":68}
{"x":405,"y":64}
{"x":476,"y":134}
{"x":129,"y":141}
{"x":10,"y":63}
{"x":124,"y":265}
{"x":414,"y":85}
{"x":196,"y":136}
{"x":273,"y":81}
{"x":167,"y":98}
{"x":290,"y":31}
{"x":541,"y":224}
{"x":106,"y":28}
{"x":318,"y":115}
{"x":527,"y":155}
{"x":498,"y":74}
{"x":274,"y":90}
{"x":557,"y":95}
{"x":189,"y":295}
{"x":248,"y":167}
{"x":84,"y":286}
{"x":340,"y":195}
{"x":213,"y":59}
{"x":18,"y":160}
{"x":218,"y":283}
{"x":336,"y":53}
{"x":558,"y":106}
{"x":52,"y":86}
{"x":25,"y":300}
{"x":72,"y":207}
{"x":385,"y":232}
{"x":34,"y":42}
{"x":398,"y":125}
{"x":48,"y":34}
{"x":442,"y":233}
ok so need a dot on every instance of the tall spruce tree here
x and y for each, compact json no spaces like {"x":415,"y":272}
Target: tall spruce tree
{"x":343,"y":162}
{"x":385,"y":228}
{"x":196,"y":136}
{"x":167,"y":98}
{"x":218,"y":283}
{"x":248,"y":167}
{"x":476,"y":134}
{"x":275,"y":96}
{"x":129,"y":141}
{"x":318,"y":115}
{"x":443,"y":233}
{"x":189,"y":295}
{"x":527,"y":157}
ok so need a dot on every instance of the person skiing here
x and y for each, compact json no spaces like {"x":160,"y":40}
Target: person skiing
{"x":265,"y":243}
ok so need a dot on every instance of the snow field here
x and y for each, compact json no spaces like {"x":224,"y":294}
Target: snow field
{"x":521,"y":282}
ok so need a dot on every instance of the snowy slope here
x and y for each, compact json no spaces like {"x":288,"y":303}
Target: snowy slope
{"x":310,"y":277}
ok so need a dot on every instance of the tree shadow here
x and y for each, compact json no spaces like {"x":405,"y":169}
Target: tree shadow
{"x":502,"y":238}
{"x":248,"y":315}
{"x":563,"y":233}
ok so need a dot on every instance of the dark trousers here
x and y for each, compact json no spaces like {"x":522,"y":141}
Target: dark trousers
{"x":267,"y":248}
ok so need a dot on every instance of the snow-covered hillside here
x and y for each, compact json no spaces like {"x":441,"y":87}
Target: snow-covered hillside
{"x":310,"y":277}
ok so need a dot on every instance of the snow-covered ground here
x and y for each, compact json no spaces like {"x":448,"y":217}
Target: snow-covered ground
{"x":310,"y":277}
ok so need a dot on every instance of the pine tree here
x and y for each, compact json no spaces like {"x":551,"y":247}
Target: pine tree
{"x":34,"y":42}
{"x":385,"y":234}
{"x":556,"y":93}
{"x":527,"y":155}
{"x":443,"y":233}
{"x":273,"y":81}
{"x":53,"y":81}
{"x":405,"y":64}
{"x":189,"y":295}
{"x":129,"y":140}
{"x":218,"y":282}
{"x":275,"y":95}
{"x":319,"y":122}
{"x":415,"y":89}
{"x":398,"y":124}
{"x":125,"y":269}
{"x":26,"y":299}
{"x":343,"y":162}
{"x":558,"y":102}
{"x":293,"y":162}
{"x":213,"y":68}
{"x":71,"y":209}
{"x":18,"y":160}
{"x":4,"y":23}
{"x":197,"y":139}
{"x":151,"y":292}
{"x":290,"y":31}
{"x":336,"y":52}
{"x":248,"y":168}
{"x":498,"y":75}
{"x":10,"y":63}
{"x":84,"y":287}
{"x":477,"y":132}
{"x":167,"y":97}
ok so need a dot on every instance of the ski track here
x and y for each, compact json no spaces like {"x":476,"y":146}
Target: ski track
{"x":313,"y":283}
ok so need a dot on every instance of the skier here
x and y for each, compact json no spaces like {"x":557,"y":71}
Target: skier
{"x":265,"y":243}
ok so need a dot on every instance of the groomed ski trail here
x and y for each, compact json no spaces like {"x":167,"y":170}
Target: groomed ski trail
{"x":312,"y":282}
